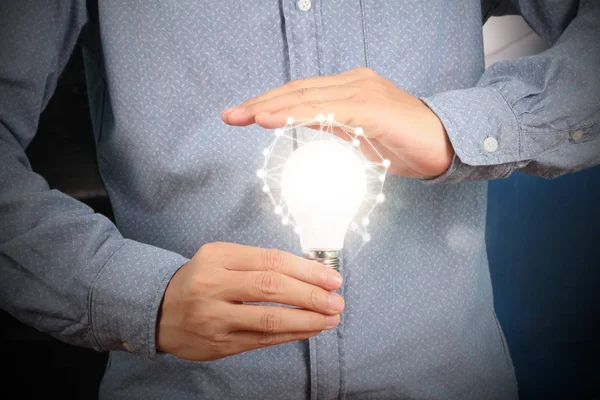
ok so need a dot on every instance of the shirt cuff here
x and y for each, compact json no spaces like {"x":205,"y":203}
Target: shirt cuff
{"x":126,"y":296}
{"x":483,"y":130}
{"x":460,"y":172}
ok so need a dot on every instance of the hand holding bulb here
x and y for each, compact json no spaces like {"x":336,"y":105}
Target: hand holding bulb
{"x":400,"y":126}
{"x":203,"y":316}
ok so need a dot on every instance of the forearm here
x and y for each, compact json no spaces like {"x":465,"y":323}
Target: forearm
{"x":63,"y":269}
{"x":538,"y":114}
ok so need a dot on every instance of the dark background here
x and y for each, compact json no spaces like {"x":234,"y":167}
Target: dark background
{"x":543,"y":242}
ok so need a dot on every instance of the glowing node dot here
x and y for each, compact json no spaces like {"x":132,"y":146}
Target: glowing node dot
{"x":356,"y":143}
{"x":353,"y":225}
{"x":359,"y":131}
{"x":366,"y":237}
{"x":278,"y":210}
{"x":266,"y":189}
{"x":285,"y":220}
{"x":386,"y":163}
{"x":320,"y":118}
{"x":278,"y":132}
{"x":260,"y":173}
{"x":380,"y":198}
{"x":330,"y":117}
{"x":365,"y":221}
{"x":266,"y":152}
{"x":290,"y":120}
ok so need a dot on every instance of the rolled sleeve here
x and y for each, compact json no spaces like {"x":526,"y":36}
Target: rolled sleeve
{"x":126,"y":295}
{"x":536,"y":114}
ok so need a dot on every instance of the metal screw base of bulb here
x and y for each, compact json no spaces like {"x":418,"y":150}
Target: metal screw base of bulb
{"x":329,"y":258}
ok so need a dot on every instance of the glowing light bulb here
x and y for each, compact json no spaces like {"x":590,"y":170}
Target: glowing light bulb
{"x":323,"y":184}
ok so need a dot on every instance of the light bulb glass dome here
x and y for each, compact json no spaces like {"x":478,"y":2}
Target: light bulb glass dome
{"x":323,"y":184}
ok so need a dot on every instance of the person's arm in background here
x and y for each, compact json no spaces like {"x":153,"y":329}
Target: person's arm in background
{"x":63,"y":269}
{"x":538,"y":114}
{"x":542,"y":112}
{"x":68,"y":271}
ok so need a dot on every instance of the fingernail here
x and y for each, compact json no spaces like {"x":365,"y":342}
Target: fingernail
{"x":236,"y":110}
{"x":332,"y":321}
{"x":336,"y":303}
{"x":230,"y":109}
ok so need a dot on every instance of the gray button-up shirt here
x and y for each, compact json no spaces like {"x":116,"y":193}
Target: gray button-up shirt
{"x":419,"y":319}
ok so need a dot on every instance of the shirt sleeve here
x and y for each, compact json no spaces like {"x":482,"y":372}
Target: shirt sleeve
{"x":538,"y":114}
{"x":63,"y":269}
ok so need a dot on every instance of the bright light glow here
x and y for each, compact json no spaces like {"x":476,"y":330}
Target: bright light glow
{"x":323,"y":184}
{"x":386,"y":163}
{"x":320,"y":184}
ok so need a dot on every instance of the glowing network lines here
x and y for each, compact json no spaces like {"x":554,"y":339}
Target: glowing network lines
{"x":324,"y":127}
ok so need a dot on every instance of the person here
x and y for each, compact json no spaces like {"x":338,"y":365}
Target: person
{"x":165,"y":290}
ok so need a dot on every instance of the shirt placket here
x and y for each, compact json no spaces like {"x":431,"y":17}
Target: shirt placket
{"x":302,"y":28}
{"x":301,"y":19}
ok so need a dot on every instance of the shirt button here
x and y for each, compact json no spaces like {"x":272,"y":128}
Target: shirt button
{"x":304,"y":5}
{"x":490,"y":144}
{"x":577,"y":135}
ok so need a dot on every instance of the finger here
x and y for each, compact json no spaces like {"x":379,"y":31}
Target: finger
{"x":242,"y":341}
{"x":317,"y":81}
{"x":311,"y":95}
{"x":277,"y":319}
{"x":269,"y":286}
{"x":237,"y":257}
{"x":345,"y":112}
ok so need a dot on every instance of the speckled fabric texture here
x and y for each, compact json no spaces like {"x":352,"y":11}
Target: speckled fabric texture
{"x":419,"y":321}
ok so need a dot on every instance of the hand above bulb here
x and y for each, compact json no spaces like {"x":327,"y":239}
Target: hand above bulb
{"x":400,"y":126}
